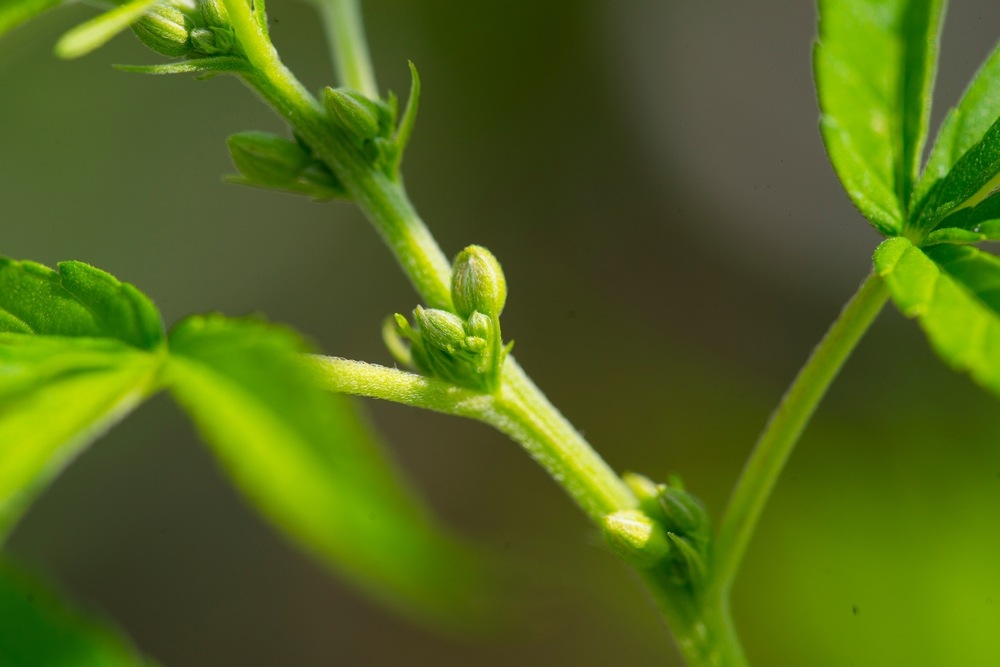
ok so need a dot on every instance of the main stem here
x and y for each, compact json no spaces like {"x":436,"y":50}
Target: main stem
{"x":784,"y":428}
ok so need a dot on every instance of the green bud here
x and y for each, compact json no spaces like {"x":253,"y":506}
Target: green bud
{"x":361,"y":117}
{"x":479,"y":325}
{"x":440,"y":329}
{"x":267,"y":159}
{"x":214,"y":13}
{"x":477,"y":283}
{"x":684,"y":514}
{"x":635,"y":537}
{"x":689,"y":566}
{"x":165,"y":29}
{"x":212,"y":41}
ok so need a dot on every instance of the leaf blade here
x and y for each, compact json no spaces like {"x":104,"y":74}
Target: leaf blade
{"x":954,"y":293}
{"x":14,"y":13}
{"x":96,"y":32}
{"x":964,"y":127}
{"x":57,"y":395}
{"x":874,"y":65}
{"x":42,"y":629}
{"x":300,"y":456}
{"x":79,"y":300}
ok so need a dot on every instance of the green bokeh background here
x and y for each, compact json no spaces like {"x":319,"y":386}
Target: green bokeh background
{"x":651,"y":177}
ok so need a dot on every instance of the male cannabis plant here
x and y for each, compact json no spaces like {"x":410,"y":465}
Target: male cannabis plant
{"x":79,"y":349}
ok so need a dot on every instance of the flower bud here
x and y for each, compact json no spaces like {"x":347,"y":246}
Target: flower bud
{"x":477,"y":283}
{"x":355,"y":113}
{"x":267,"y":159}
{"x":214,"y":13}
{"x":165,"y":29}
{"x":212,"y":41}
{"x":440,"y":329}
{"x":684,"y":514}
{"x":635,"y":537}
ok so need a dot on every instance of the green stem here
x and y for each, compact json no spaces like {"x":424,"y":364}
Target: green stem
{"x":382,"y":199}
{"x":346,"y":34}
{"x":786,"y":425}
{"x":519,"y":410}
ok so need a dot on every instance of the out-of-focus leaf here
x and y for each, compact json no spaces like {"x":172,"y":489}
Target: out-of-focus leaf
{"x":56,"y":396}
{"x":41,"y":629}
{"x":96,"y":32}
{"x":15,"y":12}
{"x":78,"y":300}
{"x":307,"y":462}
{"x":954,"y":293}
{"x":874,"y":66}
{"x":965,"y":127}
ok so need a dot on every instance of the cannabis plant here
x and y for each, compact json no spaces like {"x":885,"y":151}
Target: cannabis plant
{"x":80,"y":348}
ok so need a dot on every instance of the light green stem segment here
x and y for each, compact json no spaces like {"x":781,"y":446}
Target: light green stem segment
{"x":382,"y":199}
{"x":346,"y":35}
{"x":704,"y":631}
{"x":784,"y":428}
{"x":518,"y":409}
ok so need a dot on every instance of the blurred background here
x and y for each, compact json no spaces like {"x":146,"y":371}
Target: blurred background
{"x":675,"y":242}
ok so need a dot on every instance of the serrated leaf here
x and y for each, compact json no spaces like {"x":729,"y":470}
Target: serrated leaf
{"x":954,"y":292}
{"x":965,"y":127}
{"x":56,"y":396}
{"x":15,"y":12}
{"x":309,"y":465}
{"x":971,"y":180}
{"x":78,"y":300}
{"x":981,"y":222}
{"x":42,"y":629}
{"x":874,"y":65}
{"x":96,"y":32}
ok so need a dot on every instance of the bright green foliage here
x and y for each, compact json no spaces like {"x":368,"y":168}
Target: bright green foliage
{"x":41,"y":629}
{"x":56,"y":396}
{"x":96,"y":32}
{"x":74,"y":359}
{"x":78,"y":300}
{"x":303,"y":457}
{"x":874,"y":66}
{"x":15,"y":12}
{"x":954,"y":292}
{"x":965,"y":128}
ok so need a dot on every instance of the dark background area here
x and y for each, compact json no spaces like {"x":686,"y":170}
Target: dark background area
{"x":675,"y":242}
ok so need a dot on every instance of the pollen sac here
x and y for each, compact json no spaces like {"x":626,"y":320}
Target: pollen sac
{"x":165,"y":29}
{"x":477,"y":283}
{"x":638,"y":539}
{"x":362,"y":118}
{"x":214,"y":41}
{"x":275,"y":163}
{"x":444,"y":345}
{"x":214,"y":13}
{"x":684,"y":514}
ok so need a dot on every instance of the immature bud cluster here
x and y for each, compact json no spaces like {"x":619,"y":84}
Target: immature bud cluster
{"x":685,"y":525}
{"x":463,"y":347}
{"x":180,"y":28}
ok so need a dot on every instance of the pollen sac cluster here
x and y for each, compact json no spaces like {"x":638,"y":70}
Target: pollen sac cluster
{"x":187,"y":28}
{"x":273,"y":162}
{"x":669,"y":533}
{"x":463,"y":346}
{"x":369,"y":124}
